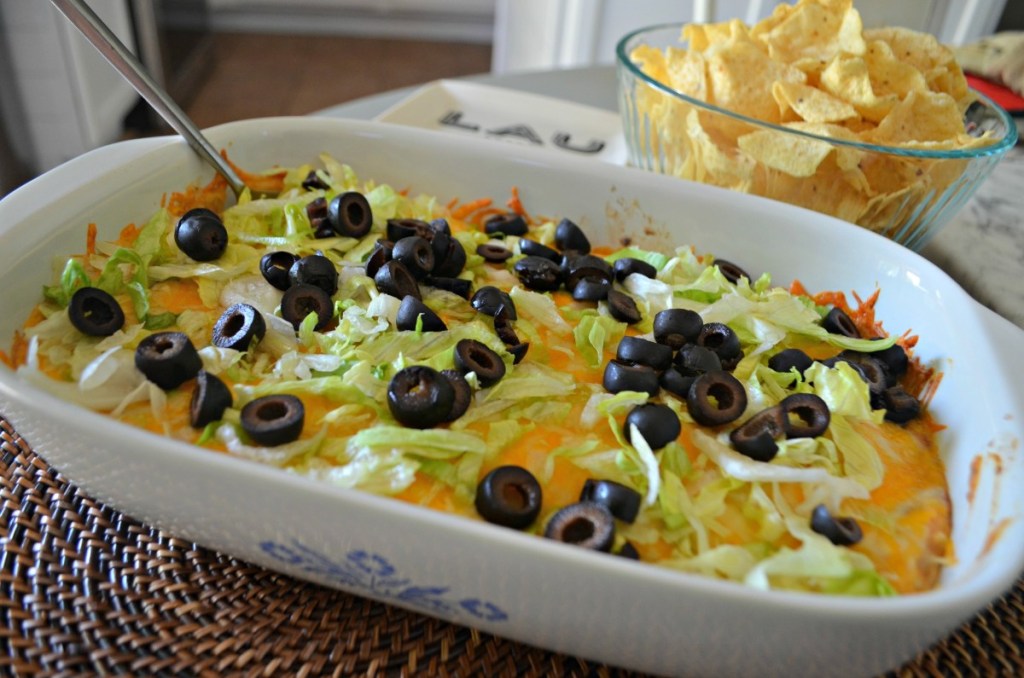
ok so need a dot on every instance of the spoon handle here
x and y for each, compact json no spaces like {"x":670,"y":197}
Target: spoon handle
{"x":104,"y":40}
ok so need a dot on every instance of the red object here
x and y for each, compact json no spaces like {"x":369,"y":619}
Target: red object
{"x":1004,"y":96}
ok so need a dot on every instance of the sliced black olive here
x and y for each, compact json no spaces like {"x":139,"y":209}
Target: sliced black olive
{"x":716,"y":398}
{"x":209,"y":400}
{"x":313,"y":182}
{"x":450,"y":265}
{"x":721,"y":339}
{"x":415,"y":254}
{"x":350,"y":215}
{"x":411,"y":310}
{"x":463,"y":394}
{"x":840,"y":530}
{"x":895,"y":359}
{"x":538,"y":273}
{"x":837,"y":322}
{"x":397,"y":229}
{"x":621,"y":500}
{"x":316,"y":270}
{"x":587,"y":266}
{"x":532,"y":248}
{"x":440,"y":244}
{"x":620,"y":376}
{"x":474,"y":356}
{"x":395,"y":279}
{"x":622,"y":307}
{"x":675,"y":327}
{"x":628,"y":551}
{"x":168,"y":359}
{"x":301,"y":300}
{"x":381,"y":254}
{"x":509,"y":224}
{"x":591,"y":289}
{"x":658,"y":424}
{"x":569,"y":236}
{"x":489,"y":299}
{"x":627,"y":266}
{"x":693,"y":360}
{"x":871,"y":370}
{"x":789,"y":359}
{"x":273,"y":420}
{"x":201,"y":235}
{"x":644,"y":352}
{"x":238,"y":326}
{"x":439,"y":226}
{"x":316,"y":211}
{"x":503,"y":326}
{"x":583,"y":524}
{"x":509,"y":496}
{"x":420,"y":397}
{"x":731,"y":271}
{"x":458,"y":286}
{"x":495,"y":254}
{"x":518,"y":351}
{"x":756,"y":437}
{"x":805,"y":415}
{"x":900,"y":406}
{"x":675,"y":382}
{"x":95,"y":312}
{"x":275,"y":267}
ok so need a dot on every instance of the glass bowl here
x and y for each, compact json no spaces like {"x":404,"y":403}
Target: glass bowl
{"x":905,"y":194}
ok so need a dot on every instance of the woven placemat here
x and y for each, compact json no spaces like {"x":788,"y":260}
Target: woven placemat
{"x":85,"y":590}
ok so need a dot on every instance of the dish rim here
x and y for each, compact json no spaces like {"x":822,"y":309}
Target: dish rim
{"x":967,"y":591}
{"x":1000,"y":148}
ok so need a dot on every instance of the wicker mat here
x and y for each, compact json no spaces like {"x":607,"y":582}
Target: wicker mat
{"x":85,"y":590}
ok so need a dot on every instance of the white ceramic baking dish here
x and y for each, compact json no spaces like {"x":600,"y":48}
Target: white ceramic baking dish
{"x":502,"y":582}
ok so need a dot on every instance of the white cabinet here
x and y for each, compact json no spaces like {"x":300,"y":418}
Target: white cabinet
{"x":537,"y":34}
{"x":63,"y":98}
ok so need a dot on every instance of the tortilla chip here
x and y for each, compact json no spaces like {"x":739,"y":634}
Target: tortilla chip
{"x":921,"y":116}
{"x":810,"y":103}
{"x":741,"y":76}
{"x":815,"y":30}
{"x":848,"y":78}
{"x":889,"y":75}
{"x":795,"y":155}
{"x":687,"y":73}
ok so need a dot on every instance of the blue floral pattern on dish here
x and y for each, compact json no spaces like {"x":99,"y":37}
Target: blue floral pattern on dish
{"x":373,"y":573}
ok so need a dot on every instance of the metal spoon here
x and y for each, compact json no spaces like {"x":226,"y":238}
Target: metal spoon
{"x":104,"y":40}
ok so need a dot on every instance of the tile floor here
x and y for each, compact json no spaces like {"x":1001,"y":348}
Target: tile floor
{"x":263,"y":75}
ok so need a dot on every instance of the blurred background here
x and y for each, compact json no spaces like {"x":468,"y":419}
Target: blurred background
{"x":225,"y":60}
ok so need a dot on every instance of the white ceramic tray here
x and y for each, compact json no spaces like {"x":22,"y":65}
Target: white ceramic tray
{"x":499,"y":114}
{"x":514,"y":585}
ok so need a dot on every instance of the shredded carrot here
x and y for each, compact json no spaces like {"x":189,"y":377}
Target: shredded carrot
{"x":265,"y":183}
{"x":451,"y":204}
{"x":463,"y":211}
{"x":483,"y":215}
{"x":797,"y":289}
{"x":213,"y":196}
{"x":516,"y":205}
{"x":404,"y":192}
{"x":90,"y":240}
{"x":90,"y":246}
{"x":128,"y":235}
{"x":19,"y":351}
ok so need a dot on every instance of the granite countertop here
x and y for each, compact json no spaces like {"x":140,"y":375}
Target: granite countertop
{"x":982,"y":248}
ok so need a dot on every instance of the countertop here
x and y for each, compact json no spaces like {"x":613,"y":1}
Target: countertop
{"x":982,"y":248}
